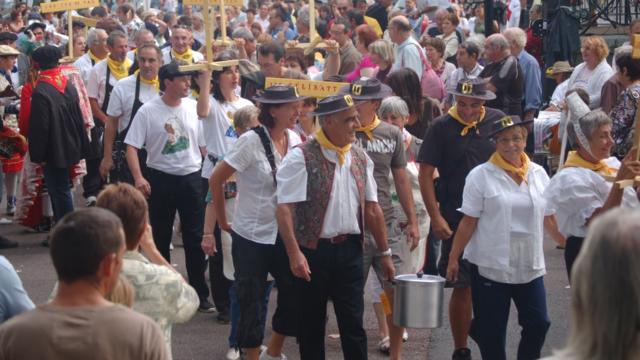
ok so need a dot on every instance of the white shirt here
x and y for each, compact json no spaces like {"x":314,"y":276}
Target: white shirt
{"x":97,"y":81}
{"x":171,"y":135}
{"x":84,"y":65}
{"x":341,"y":216}
{"x":591,"y":80}
{"x":451,"y":45}
{"x":167,"y":56}
{"x":575,"y":193}
{"x":255,"y":215}
{"x":131,"y":55}
{"x":121,"y":100}
{"x":559,"y":94}
{"x":514,"y":20}
{"x":263,"y":22}
{"x":219,"y":133}
{"x":407,"y":55}
{"x":509,"y":256}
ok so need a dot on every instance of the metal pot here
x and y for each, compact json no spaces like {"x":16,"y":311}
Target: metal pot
{"x":418,"y":301}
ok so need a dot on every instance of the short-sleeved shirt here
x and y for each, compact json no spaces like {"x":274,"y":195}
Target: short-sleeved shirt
{"x":85,"y":65}
{"x":83,"y":332}
{"x":455,"y":156}
{"x":121,"y":99}
{"x":219,"y":133}
{"x":255,"y":214}
{"x":13,"y":298}
{"x":506,"y":76}
{"x":386,"y":150}
{"x":341,"y":216}
{"x":97,"y":81}
{"x":171,"y":135}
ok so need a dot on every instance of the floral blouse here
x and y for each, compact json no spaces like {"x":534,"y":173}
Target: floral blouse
{"x":623,"y":115}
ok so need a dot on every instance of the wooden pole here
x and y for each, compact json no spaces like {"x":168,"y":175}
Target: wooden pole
{"x":70,"y":30}
{"x":223,"y":21}
{"x":312,"y":20}
{"x":208,"y":31}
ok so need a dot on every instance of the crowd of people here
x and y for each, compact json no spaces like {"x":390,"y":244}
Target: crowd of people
{"x":420,"y":162}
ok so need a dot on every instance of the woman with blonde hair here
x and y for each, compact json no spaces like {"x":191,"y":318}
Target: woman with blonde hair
{"x":594,"y":71}
{"x":605,"y":292}
{"x":382,"y":54}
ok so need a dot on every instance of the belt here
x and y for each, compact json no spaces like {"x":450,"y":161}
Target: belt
{"x":336,"y":239}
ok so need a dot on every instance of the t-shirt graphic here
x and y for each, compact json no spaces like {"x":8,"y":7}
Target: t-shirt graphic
{"x":231,"y":132}
{"x":176,"y":139}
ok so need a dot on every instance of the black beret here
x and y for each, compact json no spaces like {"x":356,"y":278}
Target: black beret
{"x":47,"y":56}
{"x":37,"y":25}
{"x":6,"y":35}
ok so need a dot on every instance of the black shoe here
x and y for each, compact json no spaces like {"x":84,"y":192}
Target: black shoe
{"x":206,"y":307}
{"x":461,"y":354}
{"x":223,"y":317}
{"x":7,"y":244}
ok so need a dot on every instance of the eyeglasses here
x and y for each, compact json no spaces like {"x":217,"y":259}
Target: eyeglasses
{"x":515,"y":140}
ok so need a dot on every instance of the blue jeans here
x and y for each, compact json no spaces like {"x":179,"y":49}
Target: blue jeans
{"x":491,"y":305}
{"x":59,"y":187}
{"x":234,"y":312}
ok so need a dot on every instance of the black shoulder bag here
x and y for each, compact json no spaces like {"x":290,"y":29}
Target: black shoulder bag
{"x":266,"y":143}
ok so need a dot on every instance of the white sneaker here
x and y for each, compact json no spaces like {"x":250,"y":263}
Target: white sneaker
{"x":265,"y":356}
{"x":5,"y":221}
{"x":233,"y":354}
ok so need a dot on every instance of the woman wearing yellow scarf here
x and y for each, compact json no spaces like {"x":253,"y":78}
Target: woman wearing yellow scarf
{"x":580,"y":191}
{"x":501,"y":234}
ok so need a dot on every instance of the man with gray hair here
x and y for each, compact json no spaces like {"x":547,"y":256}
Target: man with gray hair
{"x":98,"y":51}
{"x":530,"y":71}
{"x":302,"y":25}
{"x":409,"y":53}
{"x":504,"y":75}
{"x":344,"y":176}
{"x":246,"y":44}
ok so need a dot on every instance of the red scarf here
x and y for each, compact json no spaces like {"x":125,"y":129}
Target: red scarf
{"x":53,"y":77}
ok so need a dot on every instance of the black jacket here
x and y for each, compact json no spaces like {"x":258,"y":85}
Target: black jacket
{"x":56,"y":127}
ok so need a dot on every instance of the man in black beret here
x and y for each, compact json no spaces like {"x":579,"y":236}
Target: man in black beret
{"x":57,"y":137}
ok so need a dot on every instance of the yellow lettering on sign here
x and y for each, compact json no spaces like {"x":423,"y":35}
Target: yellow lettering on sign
{"x":64,"y":5}
{"x":316,"y":89}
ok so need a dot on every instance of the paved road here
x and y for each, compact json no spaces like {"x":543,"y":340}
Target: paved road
{"x":202,"y":338}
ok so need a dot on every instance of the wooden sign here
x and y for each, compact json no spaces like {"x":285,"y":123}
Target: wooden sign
{"x":315,"y":41}
{"x":64,"y":5}
{"x":85,"y":20}
{"x":68,"y":5}
{"x":317,"y":89}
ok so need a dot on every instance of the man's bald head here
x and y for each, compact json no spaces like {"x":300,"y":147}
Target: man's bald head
{"x":401,"y":23}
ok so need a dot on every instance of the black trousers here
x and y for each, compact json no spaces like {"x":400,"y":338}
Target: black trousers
{"x":336,"y":273}
{"x":220,"y":285}
{"x":92,"y":182}
{"x":571,"y":251}
{"x":171,"y":193}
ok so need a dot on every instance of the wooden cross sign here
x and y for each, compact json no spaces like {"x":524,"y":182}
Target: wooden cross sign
{"x":316,"y":89}
{"x":315,"y":41}
{"x":68,"y":5}
{"x":208,"y":29}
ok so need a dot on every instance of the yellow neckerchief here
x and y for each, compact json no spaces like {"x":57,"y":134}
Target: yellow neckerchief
{"x":368,"y":130}
{"x":453,"y":112}
{"x":521,"y":172}
{"x":575,"y":160}
{"x":325,"y":143}
{"x":185,"y":56}
{"x":119,"y":69}
{"x":93,"y":57}
{"x":155,"y":82}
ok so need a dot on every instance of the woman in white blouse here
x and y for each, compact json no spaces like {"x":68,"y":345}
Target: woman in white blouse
{"x":594,"y":71}
{"x":449,"y":36}
{"x":501,"y":234}
{"x":583,"y":189}
{"x":257,"y":248}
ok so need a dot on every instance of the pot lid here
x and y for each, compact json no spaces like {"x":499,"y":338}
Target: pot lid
{"x":420,"y":279}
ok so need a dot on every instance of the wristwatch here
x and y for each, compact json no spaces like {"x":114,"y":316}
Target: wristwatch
{"x":386,"y":252}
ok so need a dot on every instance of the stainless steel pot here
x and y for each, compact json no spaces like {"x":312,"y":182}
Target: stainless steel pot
{"x":418,"y":301}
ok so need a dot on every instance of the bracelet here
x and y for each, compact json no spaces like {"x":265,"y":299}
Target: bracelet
{"x":386,"y":252}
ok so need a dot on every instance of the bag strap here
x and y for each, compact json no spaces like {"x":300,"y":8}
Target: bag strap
{"x":266,"y":143}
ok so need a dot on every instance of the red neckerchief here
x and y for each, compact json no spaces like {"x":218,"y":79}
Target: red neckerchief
{"x":53,"y":77}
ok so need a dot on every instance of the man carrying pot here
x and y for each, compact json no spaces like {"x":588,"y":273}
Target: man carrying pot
{"x":453,"y":145}
{"x":337,"y":184}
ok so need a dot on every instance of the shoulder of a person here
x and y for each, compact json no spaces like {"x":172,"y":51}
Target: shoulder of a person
{"x":493,"y":114}
{"x":189,"y":103}
{"x":294,"y":138}
{"x":126,"y":82}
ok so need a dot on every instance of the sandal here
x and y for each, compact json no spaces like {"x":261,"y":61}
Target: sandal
{"x":383,"y":345}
